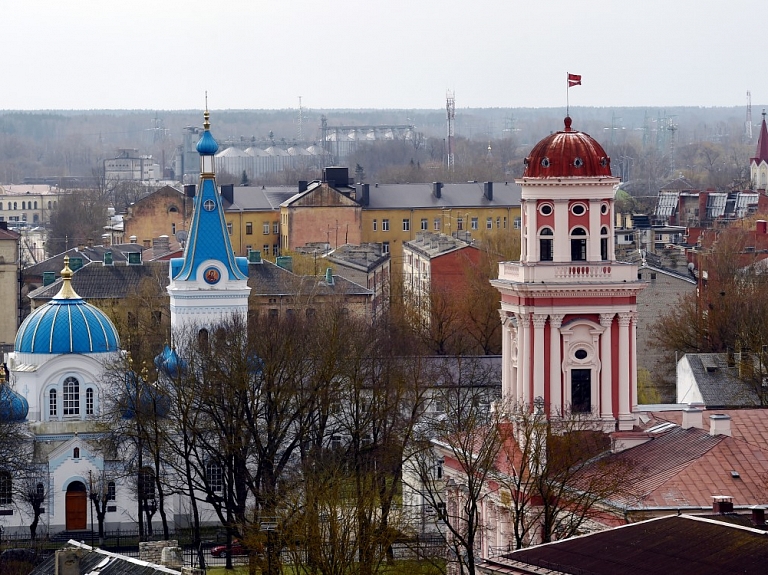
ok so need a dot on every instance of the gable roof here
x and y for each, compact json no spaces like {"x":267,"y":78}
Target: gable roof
{"x":470,"y":194}
{"x":87,"y":254}
{"x":673,"y":544}
{"x":269,"y":279}
{"x":718,"y":383}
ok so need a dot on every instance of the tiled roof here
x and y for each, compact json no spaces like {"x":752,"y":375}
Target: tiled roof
{"x":9,"y":235}
{"x":750,"y":425}
{"x":675,"y":544}
{"x":260,"y":198}
{"x":685,"y":468}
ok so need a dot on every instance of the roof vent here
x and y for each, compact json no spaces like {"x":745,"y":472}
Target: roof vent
{"x":49,"y":278}
{"x":75,"y":264}
{"x":720,"y":424}
{"x":692,"y":417}
{"x":722,"y":504}
{"x":329,"y":276}
{"x":285,"y":262}
{"x":254,"y":257}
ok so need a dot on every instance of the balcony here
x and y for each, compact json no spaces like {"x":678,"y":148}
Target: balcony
{"x":568,"y":272}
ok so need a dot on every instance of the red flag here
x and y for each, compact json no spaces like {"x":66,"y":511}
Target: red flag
{"x":574,"y":80}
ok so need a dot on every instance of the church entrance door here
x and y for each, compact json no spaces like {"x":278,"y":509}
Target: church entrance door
{"x":77,"y":506}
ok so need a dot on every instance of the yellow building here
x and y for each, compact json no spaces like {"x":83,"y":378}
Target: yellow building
{"x":9,"y":284}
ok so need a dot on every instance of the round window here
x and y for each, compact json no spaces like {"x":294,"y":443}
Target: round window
{"x":578,"y":209}
{"x":604,"y":209}
{"x":578,"y":162}
{"x":604,"y":161}
{"x":581,"y":354}
{"x":545,"y":162}
{"x":209,"y":205}
{"x":546,"y":209}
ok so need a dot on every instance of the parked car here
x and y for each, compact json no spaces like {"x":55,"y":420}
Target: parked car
{"x":221,"y":550}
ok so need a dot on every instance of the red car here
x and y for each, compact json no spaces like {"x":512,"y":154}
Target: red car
{"x":221,"y":550}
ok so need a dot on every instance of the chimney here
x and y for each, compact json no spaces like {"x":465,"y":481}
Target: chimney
{"x":106,"y":240}
{"x":89,"y":242}
{"x":719,"y":424}
{"x":365,"y":195}
{"x":329,"y":276}
{"x":162,"y":245}
{"x":68,"y":561}
{"x":758,"y":516}
{"x":722,"y":504}
{"x":488,"y":191}
{"x":303,"y":185}
{"x":437,"y":188}
{"x":133,"y":239}
{"x":189,"y":190}
{"x":228,"y":192}
{"x":692,"y":417}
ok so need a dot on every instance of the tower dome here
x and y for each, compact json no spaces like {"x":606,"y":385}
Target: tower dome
{"x":13,"y":406}
{"x":207,"y":145}
{"x":567,"y":154}
{"x":67,"y":324}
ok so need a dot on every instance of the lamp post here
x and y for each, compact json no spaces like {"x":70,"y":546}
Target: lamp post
{"x":268,"y":527}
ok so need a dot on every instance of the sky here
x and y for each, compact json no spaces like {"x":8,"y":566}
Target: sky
{"x":401,"y":54}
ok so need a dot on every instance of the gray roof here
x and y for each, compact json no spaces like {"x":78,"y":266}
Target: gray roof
{"x":719,"y":384}
{"x":260,"y":198}
{"x":96,"y":281}
{"x":88,"y":255}
{"x":268,"y":279}
{"x":387,"y":196}
{"x":365,"y":257}
{"x":95,"y":560}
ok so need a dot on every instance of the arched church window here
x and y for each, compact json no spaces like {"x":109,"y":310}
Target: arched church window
{"x":76,"y":453}
{"x":146,"y":483}
{"x":604,"y":243}
{"x":202,"y":338}
{"x":546,"y":240}
{"x":111,"y":491}
{"x":6,"y":488}
{"x":215,"y":477}
{"x":40,"y":491}
{"x":89,"y":401}
{"x":71,"y":397}
{"x":581,"y":390}
{"x":579,"y":245}
{"x":23,"y":205}
{"x":53,"y":407}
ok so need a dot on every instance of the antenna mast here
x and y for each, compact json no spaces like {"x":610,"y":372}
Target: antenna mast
{"x":748,"y":123}
{"x":450,"y":106}
{"x":301,"y":121}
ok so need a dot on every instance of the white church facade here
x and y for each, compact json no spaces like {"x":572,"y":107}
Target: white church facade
{"x":58,"y":376}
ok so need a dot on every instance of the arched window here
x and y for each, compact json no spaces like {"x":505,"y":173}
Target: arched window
{"x":1,"y":206}
{"x":23,"y":205}
{"x":202,"y":338}
{"x":53,"y":406}
{"x":89,"y":401}
{"x":215,"y":477}
{"x":15,"y":206}
{"x":579,"y":245}
{"x":35,"y":205}
{"x":49,"y":204}
{"x":6,"y":488}
{"x":40,"y":491}
{"x":71,"y":397}
{"x":76,"y":453}
{"x":545,"y":245}
{"x":604,"y":243}
{"x":111,"y":491}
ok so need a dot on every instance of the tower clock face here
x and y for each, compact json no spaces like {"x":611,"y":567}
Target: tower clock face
{"x":211,"y":275}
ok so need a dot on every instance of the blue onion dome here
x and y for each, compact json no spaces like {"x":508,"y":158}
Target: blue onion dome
{"x":67,"y":324}
{"x":143,"y":398}
{"x":169,"y":363}
{"x":207,"y":146}
{"x":14,"y":407}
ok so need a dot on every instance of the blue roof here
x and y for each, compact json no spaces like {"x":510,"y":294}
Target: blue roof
{"x":207,"y":146}
{"x":67,"y":326}
{"x":13,"y":406}
{"x":208,"y":236}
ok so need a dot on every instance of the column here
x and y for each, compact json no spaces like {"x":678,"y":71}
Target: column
{"x":507,"y":383}
{"x":593,"y":244}
{"x":562,"y":242}
{"x":606,"y":368}
{"x":625,"y":414}
{"x":633,"y":363}
{"x":555,"y":365}
{"x":523,"y":359}
{"x":539,"y":321}
{"x":530,"y":231}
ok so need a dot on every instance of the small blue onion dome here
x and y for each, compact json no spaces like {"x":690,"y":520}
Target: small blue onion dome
{"x":170,"y":363}
{"x":14,"y":407}
{"x":143,"y":398}
{"x":207,"y":146}
{"x":67,"y":324}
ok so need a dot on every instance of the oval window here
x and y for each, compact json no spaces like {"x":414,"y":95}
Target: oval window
{"x":545,"y":209}
{"x":545,"y":162}
{"x":604,"y":209}
{"x":578,"y":162}
{"x":604,"y":161}
{"x":581,"y":354}
{"x":578,"y":209}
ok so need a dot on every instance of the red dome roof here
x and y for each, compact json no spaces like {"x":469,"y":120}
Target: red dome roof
{"x":567,"y":154}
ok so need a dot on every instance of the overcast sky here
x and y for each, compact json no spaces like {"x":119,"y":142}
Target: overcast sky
{"x":249,"y":54}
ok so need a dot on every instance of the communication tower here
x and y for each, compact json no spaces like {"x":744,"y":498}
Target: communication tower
{"x":450,"y":106}
{"x":301,"y":121}
{"x":748,"y":123}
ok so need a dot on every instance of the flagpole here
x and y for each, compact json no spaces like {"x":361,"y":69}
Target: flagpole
{"x":567,"y":94}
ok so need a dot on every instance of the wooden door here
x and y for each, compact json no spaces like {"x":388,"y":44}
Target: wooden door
{"x":77,"y":507}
